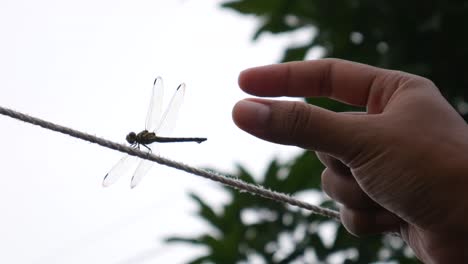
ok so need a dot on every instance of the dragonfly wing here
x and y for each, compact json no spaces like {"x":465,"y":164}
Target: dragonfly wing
{"x":161,"y":125}
{"x":124,"y":166}
{"x":143,"y":167}
{"x":169,"y":117}
{"x":153,"y":117}
{"x":140,"y":172}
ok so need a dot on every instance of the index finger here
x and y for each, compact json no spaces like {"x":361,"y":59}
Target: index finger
{"x":341,"y":80}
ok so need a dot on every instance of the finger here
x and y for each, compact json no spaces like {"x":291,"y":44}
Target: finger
{"x":334,"y":164}
{"x":364,"y":222}
{"x":346,"y":191}
{"x":302,"y":125}
{"x":346,"y":81}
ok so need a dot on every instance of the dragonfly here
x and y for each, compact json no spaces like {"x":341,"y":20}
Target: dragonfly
{"x":156,"y":124}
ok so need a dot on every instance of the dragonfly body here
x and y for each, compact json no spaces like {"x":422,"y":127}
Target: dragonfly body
{"x":157,"y":123}
{"x":145,"y":137}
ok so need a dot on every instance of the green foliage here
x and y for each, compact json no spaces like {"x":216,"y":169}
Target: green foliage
{"x":428,"y":38}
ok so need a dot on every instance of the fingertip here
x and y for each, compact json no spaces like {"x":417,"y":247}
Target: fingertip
{"x":251,"y":114}
{"x":241,"y":78}
{"x":261,"y":80}
{"x":245,"y":78}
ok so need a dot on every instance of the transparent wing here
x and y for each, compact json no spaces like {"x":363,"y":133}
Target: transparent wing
{"x":142,"y":170}
{"x":153,"y":117}
{"x":124,"y":166}
{"x":169,"y":117}
{"x":143,"y":167}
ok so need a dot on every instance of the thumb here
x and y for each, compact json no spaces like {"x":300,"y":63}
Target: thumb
{"x":300,"y":124}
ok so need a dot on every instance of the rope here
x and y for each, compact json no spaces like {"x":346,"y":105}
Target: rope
{"x":227,"y":180}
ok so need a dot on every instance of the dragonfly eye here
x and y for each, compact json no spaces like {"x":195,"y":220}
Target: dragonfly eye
{"x":131,"y":138}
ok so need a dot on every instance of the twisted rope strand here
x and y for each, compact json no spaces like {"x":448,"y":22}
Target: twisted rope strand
{"x":230,"y":181}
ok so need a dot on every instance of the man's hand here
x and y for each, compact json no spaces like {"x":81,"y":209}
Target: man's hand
{"x":402,"y":166}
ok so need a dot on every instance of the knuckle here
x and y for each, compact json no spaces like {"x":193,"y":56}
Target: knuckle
{"x":322,"y":157}
{"x":404,"y":79}
{"x":297,"y":118}
{"x":325,"y":182}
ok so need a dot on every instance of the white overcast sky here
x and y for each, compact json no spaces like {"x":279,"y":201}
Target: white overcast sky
{"x":90,"y":65}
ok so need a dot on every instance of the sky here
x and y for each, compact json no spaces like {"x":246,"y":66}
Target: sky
{"x":90,"y":65}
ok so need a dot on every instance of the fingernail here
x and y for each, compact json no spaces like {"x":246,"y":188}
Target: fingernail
{"x":254,"y":115}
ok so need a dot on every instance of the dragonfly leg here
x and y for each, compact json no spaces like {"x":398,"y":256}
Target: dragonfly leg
{"x":147,"y":147}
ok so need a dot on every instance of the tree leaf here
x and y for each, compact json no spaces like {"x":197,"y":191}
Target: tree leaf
{"x":206,"y":212}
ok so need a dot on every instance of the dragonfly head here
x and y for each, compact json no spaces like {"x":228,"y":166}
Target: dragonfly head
{"x":131,"y":138}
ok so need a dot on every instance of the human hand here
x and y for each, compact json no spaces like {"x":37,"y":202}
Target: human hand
{"x":400,"y":167}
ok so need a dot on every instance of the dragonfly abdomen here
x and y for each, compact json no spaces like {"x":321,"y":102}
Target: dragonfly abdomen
{"x":176,"y":139}
{"x":145,"y":138}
